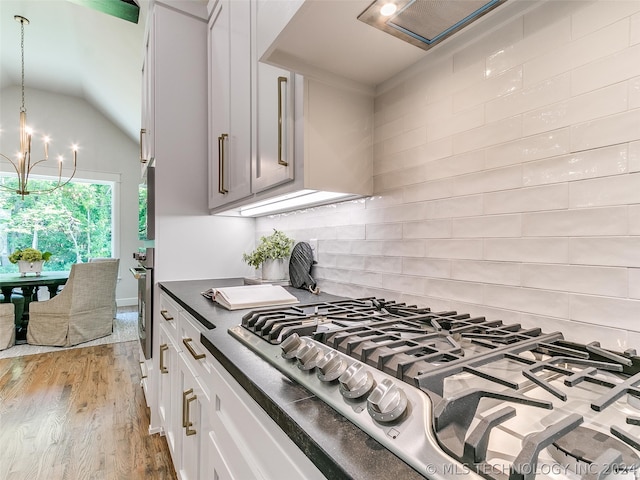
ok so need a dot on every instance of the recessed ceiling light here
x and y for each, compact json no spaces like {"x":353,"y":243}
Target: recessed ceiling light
{"x":388,"y":9}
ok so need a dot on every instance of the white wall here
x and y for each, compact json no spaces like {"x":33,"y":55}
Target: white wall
{"x":105,"y":152}
{"x":507,"y":179}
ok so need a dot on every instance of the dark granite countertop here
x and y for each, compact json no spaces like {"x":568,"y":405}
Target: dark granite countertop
{"x":338,"y":448}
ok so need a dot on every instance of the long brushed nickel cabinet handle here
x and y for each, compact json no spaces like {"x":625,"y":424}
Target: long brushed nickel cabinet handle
{"x":281,"y":80}
{"x":188,"y":430}
{"x":142,"y":159}
{"x":187,"y":343}
{"x":166,"y":315}
{"x":185,"y":418}
{"x":163,"y":348}
{"x":221,"y":158}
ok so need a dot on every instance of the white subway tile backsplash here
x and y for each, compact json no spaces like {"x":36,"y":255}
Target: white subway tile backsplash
{"x":367,"y":279}
{"x":543,"y":37}
{"x":384,"y":231}
{"x":532,"y":199}
{"x":620,"y":128}
{"x":611,"y":338}
{"x":541,"y":302}
{"x":455,"y":290}
{"x":634,"y":93}
{"x":543,"y":250}
{"x":619,"y":67}
{"x":550,"y":91}
{"x":404,"y":248}
{"x":505,"y":172}
{"x":611,"y":312}
{"x":405,"y":213}
{"x":383,"y":264}
{"x":454,"y":207}
{"x":611,"y":251}
{"x":455,"y":165}
{"x":574,"y":278}
{"x":616,"y":190}
{"x":488,"y":181}
{"x":504,"y":273}
{"x":405,"y":284}
{"x":634,"y":283}
{"x":438,"y":228}
{"x":427,"y":267}
{"x":348,"y":262}
{"x":367,"y":247}
{"x":488,"y":135}
{"x":495,"y":86}
{"x":635,"y":29}
{"x":422,"y":155}
{"x":587,"y":164}
{"x":432,"y":190}
{"x":576,"y":223}
{"x":487,"y":44}
{"x":405,"y":141}
{"x":447,"y":125}
{"x":470,"y":248}
{"x":567,"y":56}
{"x":488,"y":226}
{"x":585,"y":107}
{"x":597,"y":15}
{"x":526,"y":149}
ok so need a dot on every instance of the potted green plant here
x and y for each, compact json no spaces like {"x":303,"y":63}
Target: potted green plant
{"x":270,"y":254}
{"x":29,"y":260}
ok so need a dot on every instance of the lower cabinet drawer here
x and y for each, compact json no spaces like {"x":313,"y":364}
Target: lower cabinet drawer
{"x":262,"y":444}
{"x":189,"y":339}
{"x":227,"y":462}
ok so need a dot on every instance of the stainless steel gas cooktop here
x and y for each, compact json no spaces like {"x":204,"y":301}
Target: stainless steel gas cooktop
{"x":456,"y":395}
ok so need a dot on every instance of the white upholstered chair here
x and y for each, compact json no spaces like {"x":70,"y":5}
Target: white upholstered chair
{"x":82,"y":311}
{"x":7,"y":325}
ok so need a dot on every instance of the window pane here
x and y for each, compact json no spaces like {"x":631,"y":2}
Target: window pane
{"x":74,"y":222}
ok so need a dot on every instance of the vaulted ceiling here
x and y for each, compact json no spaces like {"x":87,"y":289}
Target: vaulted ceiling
{"x":75,"y":50}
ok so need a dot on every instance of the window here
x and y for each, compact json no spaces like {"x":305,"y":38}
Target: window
{"x":74,"y":223}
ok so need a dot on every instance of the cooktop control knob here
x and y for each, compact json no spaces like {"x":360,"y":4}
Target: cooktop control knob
{"x":290,"y":346}
{"x":355,"y":381}
{"x":308,"y":355}
{"x":331,"y":366}
{"x":387,"y":401}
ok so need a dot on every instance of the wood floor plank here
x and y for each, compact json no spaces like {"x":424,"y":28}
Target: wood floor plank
{"x":78,"y":414}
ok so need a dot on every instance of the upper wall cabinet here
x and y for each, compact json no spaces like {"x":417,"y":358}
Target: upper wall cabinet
{"x":229,"y":51}
{"x":305,"y":133}
{"x":174,"y":110}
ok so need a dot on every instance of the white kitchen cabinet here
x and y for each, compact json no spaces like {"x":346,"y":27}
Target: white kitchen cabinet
{"x":305,"y":133}
{"x":273,"y":120}
{"x":196,"y":423}
{"x":168,"y":407}
{"x":229,"y":76}
{"x":213,"y":427}
{"x":147,"y":123}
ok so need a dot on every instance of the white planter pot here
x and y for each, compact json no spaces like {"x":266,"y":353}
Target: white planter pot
{"x":273,"y":270}
{"x":30,"y":267}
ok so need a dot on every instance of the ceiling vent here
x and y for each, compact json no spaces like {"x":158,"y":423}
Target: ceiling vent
{"x":424,"y":23}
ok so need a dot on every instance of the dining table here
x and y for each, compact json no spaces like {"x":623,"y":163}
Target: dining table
{"x":29,"y":285}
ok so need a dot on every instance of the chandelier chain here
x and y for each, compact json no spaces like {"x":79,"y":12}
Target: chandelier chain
{"x":22,"y":109}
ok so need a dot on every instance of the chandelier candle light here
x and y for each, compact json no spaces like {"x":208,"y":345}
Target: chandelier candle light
{"x":24,"y":165}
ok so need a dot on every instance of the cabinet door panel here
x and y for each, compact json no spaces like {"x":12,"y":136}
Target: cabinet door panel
{"x":229,"y":103}
{"x":191,"y":398}
{"x":273,"y":113}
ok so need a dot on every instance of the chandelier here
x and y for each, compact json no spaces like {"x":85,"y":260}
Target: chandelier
{"x":23,"y":163}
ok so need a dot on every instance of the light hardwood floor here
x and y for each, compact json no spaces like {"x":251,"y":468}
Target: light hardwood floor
{"x":78,"y":414}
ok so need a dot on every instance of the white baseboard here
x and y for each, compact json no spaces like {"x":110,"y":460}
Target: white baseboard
{"x":126,"y":302}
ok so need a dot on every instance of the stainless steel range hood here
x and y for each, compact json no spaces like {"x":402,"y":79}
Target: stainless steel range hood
{"x":424,"y":23}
